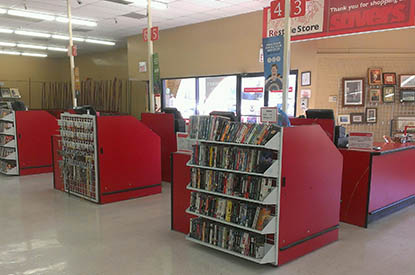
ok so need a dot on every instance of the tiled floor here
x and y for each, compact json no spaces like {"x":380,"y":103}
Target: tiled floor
{"x":43,"y":231}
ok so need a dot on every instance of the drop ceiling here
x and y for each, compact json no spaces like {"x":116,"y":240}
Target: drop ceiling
{"x":115,"y":21}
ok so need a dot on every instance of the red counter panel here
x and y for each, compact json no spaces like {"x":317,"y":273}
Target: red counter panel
{"x":393,"y":178}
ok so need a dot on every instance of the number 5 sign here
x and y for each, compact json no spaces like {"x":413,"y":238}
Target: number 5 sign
{"x":154,"y":34}
{"x":278,"y":8}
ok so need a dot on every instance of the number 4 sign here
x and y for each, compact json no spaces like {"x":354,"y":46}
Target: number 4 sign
{"x":154,"y":34}
{"x":278,"y":8}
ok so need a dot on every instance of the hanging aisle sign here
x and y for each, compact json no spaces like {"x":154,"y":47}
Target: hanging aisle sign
{"x":273,"y":63}
{"x":325,"y":18}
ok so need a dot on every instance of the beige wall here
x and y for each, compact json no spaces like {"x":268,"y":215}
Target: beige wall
{"x":99,"y":66}
{"x":223,"y":46}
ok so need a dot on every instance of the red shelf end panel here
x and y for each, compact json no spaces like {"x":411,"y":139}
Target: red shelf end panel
{"x":129,"y":159}
{"x":163,"y":125}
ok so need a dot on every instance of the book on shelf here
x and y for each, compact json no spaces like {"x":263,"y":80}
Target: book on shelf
{"x":229,"y":238}
{"x":233,"y":158}
{"x":240,"y":213}
{"x":4,"y":139}
{"x":217,"y":128}
{"x":243,"y":186}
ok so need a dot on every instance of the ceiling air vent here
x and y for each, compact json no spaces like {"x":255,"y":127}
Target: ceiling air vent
{"x":135,"y":15}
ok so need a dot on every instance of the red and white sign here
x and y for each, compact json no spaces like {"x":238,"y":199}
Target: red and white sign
{"x":361,"y":140}
{"x":254,"y":90}
{"x":325,"y":18}
{"x":184,"y":144}
{"x":290,"y":90}
{"x":154,"y":34}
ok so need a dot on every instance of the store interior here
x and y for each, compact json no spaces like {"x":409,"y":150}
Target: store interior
{"x":104,"y":188}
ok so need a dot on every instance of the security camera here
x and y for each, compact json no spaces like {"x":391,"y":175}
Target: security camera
{"x":79,"y":2}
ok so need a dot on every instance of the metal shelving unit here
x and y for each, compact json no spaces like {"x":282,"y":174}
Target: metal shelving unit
{"x":9,"y":156}
{"x":270,"y":230}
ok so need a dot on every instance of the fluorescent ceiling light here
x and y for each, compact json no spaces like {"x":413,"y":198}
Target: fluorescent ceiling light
{"x":9,"y":52}
{"x":7,"y":44}
{"x":143,"y":3}
{"x":77,"y":21}
{"x":35,"y":54}
{"x":6,"y":31}
{"x":28,"y":46}
{"x":64,"y":37}
{"x":37,"y":34}
{"x":3,"y":11}
{"x":31,"y":15}
{"x":55,"y":49}
{"x":94,"y":41}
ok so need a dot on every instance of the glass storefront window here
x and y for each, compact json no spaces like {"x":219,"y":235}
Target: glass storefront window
{"x":217,"y":94}
{"x":181,"y":94}
{"x":252,"y":98}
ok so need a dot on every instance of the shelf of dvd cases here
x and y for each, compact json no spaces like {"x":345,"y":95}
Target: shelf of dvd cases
{"x":270,"y":228}
{"x":269,"y":200}
{"x":8,"y":146}
{"x":235,"y":173}
{"x":268,"y":258}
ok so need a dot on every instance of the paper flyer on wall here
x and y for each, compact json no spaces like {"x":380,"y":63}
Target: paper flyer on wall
{"x":273,"y":63}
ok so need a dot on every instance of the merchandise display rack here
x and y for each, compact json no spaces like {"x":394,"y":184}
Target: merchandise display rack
{"x":79,"y":155}
{"x":269,"y":233}
{"x":9,"y":158}
{"x":260,"y":199}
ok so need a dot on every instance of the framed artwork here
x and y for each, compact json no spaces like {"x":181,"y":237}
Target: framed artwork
{"x":344,"y":119}
{"x":357,"y":118}
{"x":407,"y":96}
{"x":305,"y":78}
{"x":407,"y":81}
{"x":353,"y":92}
{"x":375,"y":95}
{"x":389,"y":78}
{"x":375,"y":76}
{"x":371,"y":115}
{"x":388,"y":94}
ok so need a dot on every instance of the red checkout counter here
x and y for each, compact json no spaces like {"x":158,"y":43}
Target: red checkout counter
{"x":377,"y":183}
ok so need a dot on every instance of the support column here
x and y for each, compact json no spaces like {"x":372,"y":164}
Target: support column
{"x":287,"y":55}
{"x":71,"y":57}
{"x":150,"y":57}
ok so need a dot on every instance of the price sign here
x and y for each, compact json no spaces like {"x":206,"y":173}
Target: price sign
{"x":269,"y":114}
{"x":298,"y":8}
{"x":361,"y":140}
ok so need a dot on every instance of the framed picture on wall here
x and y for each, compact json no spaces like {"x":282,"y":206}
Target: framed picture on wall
{"x":357,"y":118}
{"x":305,"y":78}
{"x":371,"y":115}
{"x":407,"y":81}
{"x":389,"y":78}
{"x":375,"y":76}
{"x":407,"y":96}
{"x":375,"y":95}
{"x":353,"y":92}
{"x":388,"y":94}
{"x":343,"y":119}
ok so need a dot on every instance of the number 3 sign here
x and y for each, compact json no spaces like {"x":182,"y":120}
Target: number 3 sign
{"x":278,"y":8}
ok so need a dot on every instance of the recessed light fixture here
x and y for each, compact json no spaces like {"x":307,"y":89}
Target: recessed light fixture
{"x":33,"y":15}
{"x":9,"y":52}
{"x":6,"y":31}
{"x":56,"y":49}
{"x":36,"y":34}
{"x":143,"y":3}
{"x":64,"y":37}
{"x":94,"y":41}
{"x":35,"y":54}
{"x":77,"y":21}
{"x":7,"y":44}
{"x":28,"y":46}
